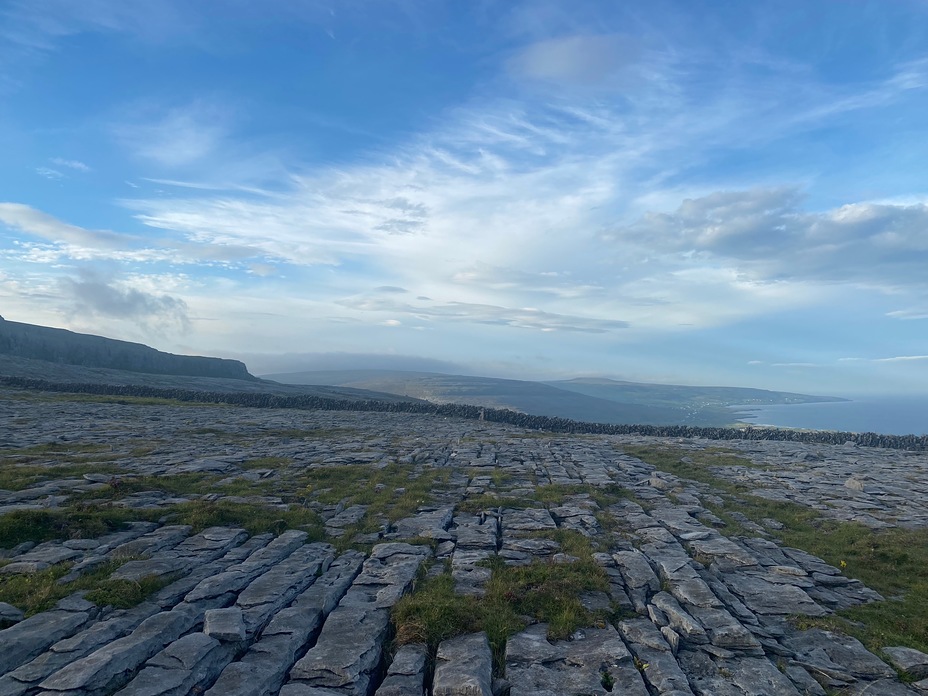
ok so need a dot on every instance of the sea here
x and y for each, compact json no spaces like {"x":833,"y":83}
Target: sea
{"x":888,"y":415}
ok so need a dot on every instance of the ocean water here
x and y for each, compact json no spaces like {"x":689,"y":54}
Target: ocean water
{"x":896,"y":415}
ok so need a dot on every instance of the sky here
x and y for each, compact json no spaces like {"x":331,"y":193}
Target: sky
{"x":687,"y":192}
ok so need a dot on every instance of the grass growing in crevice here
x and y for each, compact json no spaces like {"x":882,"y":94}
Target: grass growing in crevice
{"x":255,"y":519}
{"x":542,"y":591}
{"x":696,"y":466}
{"x":391,"y":492}
{"x":17,"y":477}
{"x":105,"y":399}
{"x":38,"y":592}
{"x":73,"y":522}
{"x":266,"y":462}
{"x":125,"y":594}
{"x":890,"y":561}
{"x":193,"y":483}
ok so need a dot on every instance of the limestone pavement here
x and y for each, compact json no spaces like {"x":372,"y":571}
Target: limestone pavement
{"x":704,"y":613}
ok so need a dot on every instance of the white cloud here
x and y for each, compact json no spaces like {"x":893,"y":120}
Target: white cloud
{"x":522,"y":318}
{"x":35,"y":222}
{"x":576,"y":59}
{"x":174,"y":137}
{"x":96,"y":295}
{"x":895,"y":359}
{"x":76,"y":165}
{"x":48,"y":173}
{"x":766,"y":234}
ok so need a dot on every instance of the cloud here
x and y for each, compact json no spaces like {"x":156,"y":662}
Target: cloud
{"x":70,"y":164}
{"x":577,"y":59}
{"x":908,"y":314}
{"x":895,"y":359}
{"x":48,"y":173}
{"x":92,"y":294}
{"x":174,"y":137}
{"x":768,"y":235}
{"x":263,"y":364}
{"x":522,"y":318}
{"x":35,"y":222}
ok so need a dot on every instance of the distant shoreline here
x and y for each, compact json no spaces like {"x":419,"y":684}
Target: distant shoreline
{"x":885,"y":414}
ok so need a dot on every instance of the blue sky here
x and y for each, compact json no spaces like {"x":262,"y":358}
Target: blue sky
{"x":690,"y":192}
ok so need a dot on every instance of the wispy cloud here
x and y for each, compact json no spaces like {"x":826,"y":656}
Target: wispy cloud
{"x":895,"y":359}
{"x":577,"y":59}
{"x":49,"y":173}
{"x":35,"y":222}
{"x":76,"y":165}
{"x":176,"y":136}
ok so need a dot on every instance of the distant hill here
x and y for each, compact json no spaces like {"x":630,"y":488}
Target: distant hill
{"x":591,"y":400}
{"x":533,"y":398}
{"x":679,"y":395}
{"x":69,"y":348}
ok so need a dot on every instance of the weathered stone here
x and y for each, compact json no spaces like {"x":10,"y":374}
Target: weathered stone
{"x":836,"y":655}
{"x":406,"y":674}
{"x":347,"y":652}
{"x":463,"y":667}
{"x":10,"y":614}
{"x":689,"y":628}
{"x":224,"y":624}
{"x":912,"y":663}
{"x":763,"y":597}
{"x":188,"y":661}
{"x":112,"y":665}
{"x":537,"y":667}
{"x":28,"y":638}
{"x":747,"y":676}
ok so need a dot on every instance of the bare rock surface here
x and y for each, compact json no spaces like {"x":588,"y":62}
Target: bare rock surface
{"x":306,"y":611}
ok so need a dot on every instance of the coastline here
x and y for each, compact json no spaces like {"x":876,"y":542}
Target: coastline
{"x":889,"y":415}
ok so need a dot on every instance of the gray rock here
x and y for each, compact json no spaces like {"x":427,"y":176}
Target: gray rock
{"x":536,"y":667}
{"x":836,"y":655}
{"x":747,"y":676}
{"x":224,"y":624}
{"x":763,"y":597}
{"x":406,"y":674}
{"x":464,"y":667}
{"x":26,"y":639}
{"x":912,"y":663}
{"x":347,"y":652}
{"x":112,"y":665}
{"x":191,"y":660}
{"x":10,"y":614}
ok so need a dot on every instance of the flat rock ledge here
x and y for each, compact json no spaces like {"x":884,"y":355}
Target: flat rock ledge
{"x":703,"y":614}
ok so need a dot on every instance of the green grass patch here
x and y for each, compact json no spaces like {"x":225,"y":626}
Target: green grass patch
{"x":698,"y":464}
{"x":374,"y":487}
{"x":125,"y":594}
{"x":105,"y":399}
{"x":546,"y":495}
{"x":58,"y":448}
{"x":37,"y":592}
{"x":255,"y":519}
{"x":266,"y":462}
{"x":73,"y":522}
{"x":176,"y":484}
{"x":546,"y":592}
{"x":16,"y":477}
